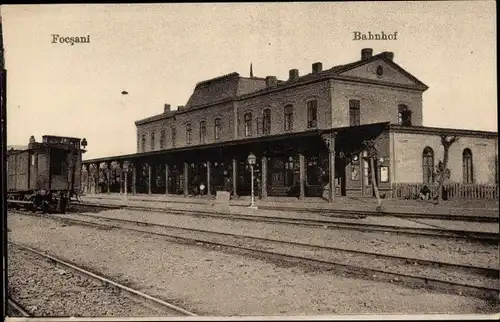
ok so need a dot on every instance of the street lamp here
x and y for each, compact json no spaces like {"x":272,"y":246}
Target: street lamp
{"x":125,"y":172}
{"x":251,"y":161}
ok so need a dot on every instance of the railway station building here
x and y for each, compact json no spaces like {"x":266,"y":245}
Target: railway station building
{"x":306,"y":133}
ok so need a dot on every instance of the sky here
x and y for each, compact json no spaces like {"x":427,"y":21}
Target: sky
{"x":158,"y":52}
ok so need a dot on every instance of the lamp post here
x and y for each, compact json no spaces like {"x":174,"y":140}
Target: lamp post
{"x":125,"y":174}
{"x":83,"y":144}
{"x":251,"y":161}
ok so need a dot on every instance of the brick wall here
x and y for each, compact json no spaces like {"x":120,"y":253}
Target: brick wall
{"x":377,"y":103}
{"x":194,"y":117}
{"x":276,"y":101}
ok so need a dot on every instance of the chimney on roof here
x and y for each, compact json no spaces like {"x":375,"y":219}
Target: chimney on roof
{"x":166,"y":109}
{"x":317,"y":68}
{"x":366,"y":53}
{"x":271,"y":81}
{"x":180,"y":107}
{"x":294,"y":74}
{"x":389,"y":55}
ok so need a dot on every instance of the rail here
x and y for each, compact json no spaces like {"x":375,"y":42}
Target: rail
{"x":381,"y":267}
{"x":137,"y":294}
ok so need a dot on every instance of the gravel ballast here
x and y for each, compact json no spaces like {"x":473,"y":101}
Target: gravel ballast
{"x":44,"y":288}
{"x":406,"y":267}
{"x":211,"y":282}
{"x":421,"y":247}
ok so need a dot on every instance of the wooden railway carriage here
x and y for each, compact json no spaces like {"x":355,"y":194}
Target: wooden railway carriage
{"x":45,"y":174}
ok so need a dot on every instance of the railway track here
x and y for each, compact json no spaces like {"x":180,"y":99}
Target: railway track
{"x":150,"y":302}
{"x":15,"y":309}
{"x":485,"y":237}
{"x":347,"y":213}
{"x":416,"y":273}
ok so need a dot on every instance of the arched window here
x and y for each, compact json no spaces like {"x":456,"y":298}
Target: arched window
{"x":404,"y":115}
{"x":203,"y":131}
{"x":354,"y":113}
{"x":248,"y":124}
{"x":312,"y":114}
{"x":188,"y":133}
{"x":467,"y":166}
{"x":428,"y":165}
{"x":288,"y":118}
{"x":266,"y":121}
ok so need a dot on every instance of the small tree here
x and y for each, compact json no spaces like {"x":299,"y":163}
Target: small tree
{"x":371,"y":148}
{"x":446,"y":142}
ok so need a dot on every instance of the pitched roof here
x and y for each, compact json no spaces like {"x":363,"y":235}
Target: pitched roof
{"x":383,"y":55}
{"x":232,"y":86}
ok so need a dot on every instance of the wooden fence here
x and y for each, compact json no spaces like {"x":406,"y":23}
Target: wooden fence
{"x":451,"y":191}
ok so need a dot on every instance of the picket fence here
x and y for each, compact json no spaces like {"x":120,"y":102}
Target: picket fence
{"x":451,"y":191}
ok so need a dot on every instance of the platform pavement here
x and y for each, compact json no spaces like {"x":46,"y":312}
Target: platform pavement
{"x":205,"y":205}
{"x":319,"y":205}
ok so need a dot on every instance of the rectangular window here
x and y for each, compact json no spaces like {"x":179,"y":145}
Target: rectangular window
{"x":354,"y":113}
{"x":152,"y":141}
{"x":162,"y":139}
{"x":384,"y":174}
{"x":188,"y":134}
{"x":289,"y":118}
{"x":203,"y":131}
{"x":174,"y":136}
{"x":58,"y":162}
{"x":217,"y":129}
{"x":143,"y":143}
{"x":312,"y":114}
{"x":355,"y":172}
{"x":248,"y":124}
{"x":258,"y":122}
{"x":266,"y":121}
